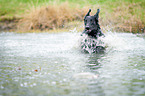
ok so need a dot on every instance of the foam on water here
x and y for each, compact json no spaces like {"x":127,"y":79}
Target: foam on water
{"x":121,"y":43}
{"x":92,"y":45}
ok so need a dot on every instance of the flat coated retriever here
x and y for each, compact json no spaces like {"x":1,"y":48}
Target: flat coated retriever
{"x":92,"y":44}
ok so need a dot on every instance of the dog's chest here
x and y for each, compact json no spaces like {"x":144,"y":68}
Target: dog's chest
{"x":92,"y":45}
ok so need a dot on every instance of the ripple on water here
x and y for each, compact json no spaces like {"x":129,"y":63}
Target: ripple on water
{"x":58,"y":61}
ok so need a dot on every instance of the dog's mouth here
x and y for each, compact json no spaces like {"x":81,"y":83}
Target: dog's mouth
{"x":88,"y":30}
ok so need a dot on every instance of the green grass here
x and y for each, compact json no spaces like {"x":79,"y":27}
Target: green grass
{"x":15,"y":8}
{"x":130,"y":10}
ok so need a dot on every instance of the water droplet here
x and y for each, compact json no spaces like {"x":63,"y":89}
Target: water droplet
{"x":21,"y":85}
{"x":34,"y":84}
{"x":140,"y":78}
{"x":53,"y":82}
{"x":2,"y":87}
{"x":64,"y":79}
{"x":135,"y":65}
{"x":31,"y":85}
{"x":25,"y":83}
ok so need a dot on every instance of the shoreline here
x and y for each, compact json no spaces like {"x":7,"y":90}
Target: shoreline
{"x":119,"y":16}
{"x":8,"y":25}
{"x":11,"y":26}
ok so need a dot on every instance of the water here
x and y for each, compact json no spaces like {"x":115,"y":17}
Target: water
{"x":43,"y":64}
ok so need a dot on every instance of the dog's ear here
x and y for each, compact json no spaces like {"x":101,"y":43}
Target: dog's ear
{"x":88,"y":14}
{"x":97,"y":14}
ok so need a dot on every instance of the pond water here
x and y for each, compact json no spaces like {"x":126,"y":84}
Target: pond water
{"x":45,"y":64}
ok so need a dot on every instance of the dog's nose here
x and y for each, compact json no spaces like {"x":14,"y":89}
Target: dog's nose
{"x":87,"y":27}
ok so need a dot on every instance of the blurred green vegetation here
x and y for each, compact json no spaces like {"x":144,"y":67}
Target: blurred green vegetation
{"x":120,"y":12}
{"x":15,"y":8}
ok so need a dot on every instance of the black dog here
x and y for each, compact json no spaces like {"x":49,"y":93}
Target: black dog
{"x":92,"y":27}
{"x":93,"y":31}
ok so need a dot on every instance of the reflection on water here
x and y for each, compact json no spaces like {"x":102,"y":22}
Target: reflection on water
{"x":46,"y":64}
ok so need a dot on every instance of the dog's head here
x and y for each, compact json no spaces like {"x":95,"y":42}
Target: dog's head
{"x":92,"y":27}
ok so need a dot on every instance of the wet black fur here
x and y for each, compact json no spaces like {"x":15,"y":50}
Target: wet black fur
{"x":93,"y":30}
{"x":92,"y":27}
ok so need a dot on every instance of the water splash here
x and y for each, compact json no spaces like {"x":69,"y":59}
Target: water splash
{"x":92,"y":45}
{"x":118,"y":42}
{"x":58,"y":59}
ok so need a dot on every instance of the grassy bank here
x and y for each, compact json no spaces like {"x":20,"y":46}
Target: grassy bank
{"x":30,"y":15}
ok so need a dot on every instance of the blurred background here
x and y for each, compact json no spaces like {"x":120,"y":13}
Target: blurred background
{"x":56,"y":15}
{"x":47,"y":64}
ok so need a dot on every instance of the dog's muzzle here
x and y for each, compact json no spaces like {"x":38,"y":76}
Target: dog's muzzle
{"x":87,"y":29}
